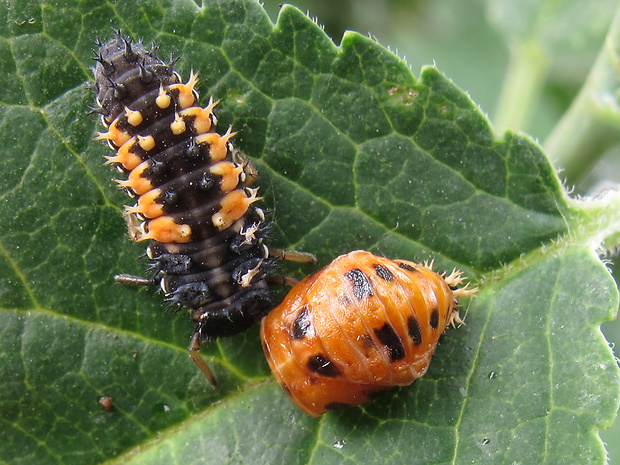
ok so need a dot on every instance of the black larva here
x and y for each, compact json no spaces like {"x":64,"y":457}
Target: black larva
{"x":194,"y":200}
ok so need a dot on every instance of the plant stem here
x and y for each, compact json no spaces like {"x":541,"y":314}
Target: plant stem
{"x":524,"y":80}
{"x":598,"y":220}
{"x":592,"y":123}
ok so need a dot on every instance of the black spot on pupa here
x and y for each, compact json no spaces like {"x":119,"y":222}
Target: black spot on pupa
{"x":302,"y":324}
{"x":434,"y":318}
{"x":362,"y":287}
{"x":322,"y":365}
{"x":375,"y":393}
{"x":414,"y":330}
{"x":406,"y":266}
{"x":391,"y":341}
{"x":383,"y":272}
{"x":337,"y":406}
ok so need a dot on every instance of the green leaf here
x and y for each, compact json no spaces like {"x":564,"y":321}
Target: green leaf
{"x":353,"y":152}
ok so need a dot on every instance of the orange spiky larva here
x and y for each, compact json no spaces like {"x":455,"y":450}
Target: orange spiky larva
{"x":194,"y":202}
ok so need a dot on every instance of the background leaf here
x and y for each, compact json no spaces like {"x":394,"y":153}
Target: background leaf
{"x":353,"y":152}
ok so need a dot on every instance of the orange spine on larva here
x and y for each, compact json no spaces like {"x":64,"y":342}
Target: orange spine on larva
{"x":359,"y":326}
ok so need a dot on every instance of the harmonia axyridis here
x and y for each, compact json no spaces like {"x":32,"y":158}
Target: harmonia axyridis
{"x":358,"y":327}
{"x":194,"y":200}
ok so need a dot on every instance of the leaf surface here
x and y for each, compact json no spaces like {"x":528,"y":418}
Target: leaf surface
{"x":354,"y":152}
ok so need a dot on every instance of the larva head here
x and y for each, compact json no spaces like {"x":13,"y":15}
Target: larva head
{"x":126,"y":71}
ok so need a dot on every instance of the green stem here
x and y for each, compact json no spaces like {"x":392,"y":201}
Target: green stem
{"x":598,"y":220}
{"x":524,"y":80}
{"x":592,"y":123}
